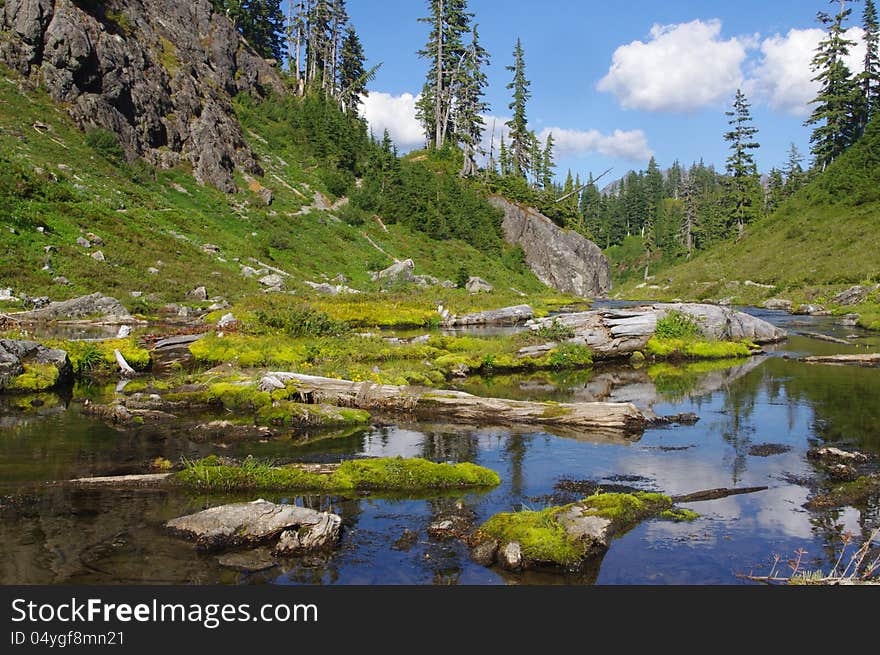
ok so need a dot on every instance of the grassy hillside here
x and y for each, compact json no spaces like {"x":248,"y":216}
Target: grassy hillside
{"x":823,"y":240}
{"x":58,"y":184}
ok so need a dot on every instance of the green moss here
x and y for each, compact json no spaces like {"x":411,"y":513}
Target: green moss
{"x":675,"y":325}
{"x":679,"y":515}
{"x":237,"y":397}
{"x":554,"y":410}
{"x":36,"y":378}
{"x":855,"y":493}
{"x":290,"y":414}
{"x":168,"y":56}
{"x":389,"y":475}
{"x":543,"y":538}
{"x":693,"y":349}
{"x":539,"y":534}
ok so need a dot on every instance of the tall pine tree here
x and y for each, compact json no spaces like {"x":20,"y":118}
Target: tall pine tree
{"x":835,"y":115}
{"x":470,"y":105}
{"x":519,"y":124}
{"x":741,"y":167}
{"x":870,"y":77}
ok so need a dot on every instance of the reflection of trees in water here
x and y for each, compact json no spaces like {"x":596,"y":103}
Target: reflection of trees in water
{"x":740,"y":400}
{"x":515,"y":447}
{"x":450,"y":446}
{"x":829,"y":526}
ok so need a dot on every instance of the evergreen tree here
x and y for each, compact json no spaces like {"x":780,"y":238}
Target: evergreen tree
{"x":519,"y":125}
{"x":741,"y":167}
{"x":470,"y":105}
{"x":549,"y":171}
{"x":504,"y":158}
{"x":870,"y":77}
{"x":353,"y":76}
{"x":775,"y":191}
{"x":449,"y":20}
{"x":794,"y":171}
{"x":260,"y":22}
{"x":834,"y":117}
{"x":691,"y":212}
{"x":536,"y":160}
{"x":591,"y":210}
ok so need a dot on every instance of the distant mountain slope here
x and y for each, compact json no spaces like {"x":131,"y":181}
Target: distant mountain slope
{"x":825,"y":238}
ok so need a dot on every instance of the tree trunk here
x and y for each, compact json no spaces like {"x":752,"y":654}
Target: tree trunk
{"x":438,"y":92}
{"x":599,"y":417}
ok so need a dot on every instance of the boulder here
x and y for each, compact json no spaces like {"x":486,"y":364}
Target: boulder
{"x":478,"y":285}
{"x":399,"y":272}
{"x":153,"y":270}
{"x":99,"y":256}
{"x":507,"y":316}
{"x":226,"y":320}
{"x":615,"y":333}
{"x":854,"y":295}
{"x":812,"y":310}
{"x":199,"y":293}
{"x":562,"y":259}
{"x":328,"y":289}
{"x":247,"y":271}
{"x":293,"y":529}
{"x":83,"y":242}
{"x":273,"y":281}
{"x":96,"y":305}
{"x":16,"y":355}
{"x":778,"y":304}
{"x":211,"y":249}
{"x":6,"y":296}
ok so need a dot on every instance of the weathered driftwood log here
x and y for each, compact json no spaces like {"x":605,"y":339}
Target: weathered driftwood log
{"x":616,"y":333}
{"x":506,"y":316}
{"x":126,"y":370}
{"x":867,"y":361}
{"x":150,"y":480}
{"x":614,"y":417}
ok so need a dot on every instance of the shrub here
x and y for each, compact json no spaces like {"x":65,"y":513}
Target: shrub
{"x":106,"y":144}
{"x":676,"y":325}
{"x":301,"y":322}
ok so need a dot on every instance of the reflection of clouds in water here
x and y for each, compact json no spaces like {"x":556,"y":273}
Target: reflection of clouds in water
{"x":850,"y":520}
{"x":394,"y":442}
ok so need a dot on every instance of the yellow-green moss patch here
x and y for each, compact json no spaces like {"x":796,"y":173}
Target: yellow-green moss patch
{"x":36,"y":378}
{"x":388,"y":475}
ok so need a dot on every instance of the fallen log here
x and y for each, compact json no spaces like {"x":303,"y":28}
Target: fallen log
{"x":611,"y":417}
{"x":502,"y":317}
{"x":824,"y":337}
{"x":868,"y":361}
{"x":150,"y":480}
{"x":716,"y":494}
{"x":127,"y":371}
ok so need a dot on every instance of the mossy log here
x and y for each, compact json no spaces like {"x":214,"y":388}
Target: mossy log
{"x":609,"y":417}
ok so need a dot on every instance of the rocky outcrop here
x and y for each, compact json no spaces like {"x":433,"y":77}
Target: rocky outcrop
{"x":614,"y":333}
{"x":561,"y":259}
{"x":17,"y":357}
{"x":478,"y":285}
{"x":293,"y":529}
{"x":96,"y":306}
{"x":398,"y":273}
{"x":854,"y":295}
{"x":159,"y":74}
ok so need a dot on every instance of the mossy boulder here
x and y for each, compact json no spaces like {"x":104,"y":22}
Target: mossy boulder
{"x":565,"y":537}
{"x":29,"y":367}
{"x":295,"y":415}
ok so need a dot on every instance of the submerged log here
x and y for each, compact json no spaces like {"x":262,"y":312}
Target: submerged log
{"x":716,"y":494}
{"x":507,"y":316}
{"x":614,"y":417}
{"x":868,"y":361}
{"x":825,"y":337}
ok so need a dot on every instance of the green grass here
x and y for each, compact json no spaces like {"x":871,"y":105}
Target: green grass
{"x":385,"y":475}
{"x":58,"y":182}
{"x":97,"y":358}
{"x":817,"y":244}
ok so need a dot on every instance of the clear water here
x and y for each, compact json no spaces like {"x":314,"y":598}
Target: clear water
{"x":55,"y":534}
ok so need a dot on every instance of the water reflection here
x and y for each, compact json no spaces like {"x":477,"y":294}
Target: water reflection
{"x":56,"y":534}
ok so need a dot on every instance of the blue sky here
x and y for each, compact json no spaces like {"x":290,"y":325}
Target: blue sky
{"x":617,"y":82}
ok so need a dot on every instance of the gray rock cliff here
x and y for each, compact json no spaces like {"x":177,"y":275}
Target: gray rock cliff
{"x":159,"y":74}
{"x":562,"y":259}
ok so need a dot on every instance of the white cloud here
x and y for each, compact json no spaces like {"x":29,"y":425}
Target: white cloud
{"x":682,"y":68}
{"x":397,"y":114}
{"x":630,"y":145}
{"x":783,"y":77}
